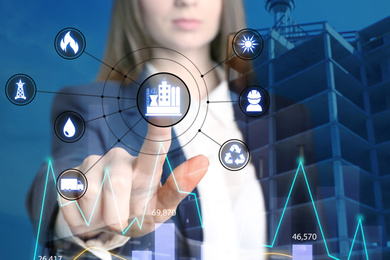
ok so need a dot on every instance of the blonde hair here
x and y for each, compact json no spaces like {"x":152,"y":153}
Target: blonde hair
{"x":126,"y":35}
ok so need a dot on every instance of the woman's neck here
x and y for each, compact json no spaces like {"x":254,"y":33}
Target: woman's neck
{"x":182,"y":64}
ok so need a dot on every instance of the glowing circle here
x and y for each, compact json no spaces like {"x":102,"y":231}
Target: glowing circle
{"x":248,"y":44}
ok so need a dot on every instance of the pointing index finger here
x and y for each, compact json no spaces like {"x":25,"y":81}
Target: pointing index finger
{"x":155,"y":146}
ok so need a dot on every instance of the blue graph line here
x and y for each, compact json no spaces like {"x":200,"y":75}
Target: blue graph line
{"x":300,"y":166}
{"x":354,"y":238}
{"x":106,"y":174}
{"x":188,"y":193}
{"x":43,"y":204}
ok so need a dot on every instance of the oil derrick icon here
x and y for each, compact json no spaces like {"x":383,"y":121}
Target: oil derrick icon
{"x":20,"y":91}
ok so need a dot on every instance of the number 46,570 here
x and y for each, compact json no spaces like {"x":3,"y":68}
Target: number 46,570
{"x":304,"y":236}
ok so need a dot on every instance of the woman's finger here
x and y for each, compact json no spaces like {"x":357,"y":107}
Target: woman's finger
{"x":154,"y":148}
{"x":183,"y":180}
{"x":117,"y":190}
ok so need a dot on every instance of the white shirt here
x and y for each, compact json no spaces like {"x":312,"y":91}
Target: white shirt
{"x":232,"y":202}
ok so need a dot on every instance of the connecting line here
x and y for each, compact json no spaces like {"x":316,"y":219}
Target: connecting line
{"x":113,"y":113}
{"x":127,"y":98}
{"x":83,"y":95}
{"x":200,"y":131}
{"x":73,"y":94}
{"x":300,"y":166}
{"x":128,"y":131}
{"x":107,"y":175}
{"x":210,"y":102}
{"x":219,"y":64}
{"x":112,"y":68}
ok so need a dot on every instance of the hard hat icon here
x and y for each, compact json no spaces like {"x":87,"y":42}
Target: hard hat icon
{"x":254,"y":101}
{"x":254,"y":98}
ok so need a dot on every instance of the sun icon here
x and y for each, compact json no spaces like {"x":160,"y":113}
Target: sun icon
{"x":248,"y":44}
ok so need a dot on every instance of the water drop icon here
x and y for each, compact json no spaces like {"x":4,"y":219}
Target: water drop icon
{"x":69,"y":129}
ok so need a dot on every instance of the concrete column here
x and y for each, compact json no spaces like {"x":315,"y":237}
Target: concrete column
{"x":272,"y":138}
{"x":336,"y":150}
{"x":373,"y":154}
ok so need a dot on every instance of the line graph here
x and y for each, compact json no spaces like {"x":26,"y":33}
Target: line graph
{"x":107,"y":176}
{"x":300,"y":166}
{"x":140,"y":222}
{"x":117,"y":256}
{"x":96,"y":248}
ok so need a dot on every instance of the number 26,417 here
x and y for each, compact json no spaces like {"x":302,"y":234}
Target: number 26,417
{"x":49,"y":258}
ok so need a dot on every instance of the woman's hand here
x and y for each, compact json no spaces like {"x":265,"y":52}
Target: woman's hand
{"x":132,"y":189}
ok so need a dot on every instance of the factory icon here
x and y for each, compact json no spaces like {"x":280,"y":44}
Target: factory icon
{"x":165,"y":101}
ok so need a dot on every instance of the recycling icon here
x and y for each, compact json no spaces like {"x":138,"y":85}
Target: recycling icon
{"x":234,"y":155}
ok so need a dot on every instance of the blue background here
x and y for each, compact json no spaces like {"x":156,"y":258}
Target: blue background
{"x":27,"y":34}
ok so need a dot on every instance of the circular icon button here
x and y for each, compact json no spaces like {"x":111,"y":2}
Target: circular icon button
{"x":20,"y":89}
{"x":72,"y":184}
{"x":248,"y":44}
{"x":163,"y":99}
{"x":69,"y":127}
{"x":70,"y":43}
{"x":254,"y":101}
{"x":234,"y":155}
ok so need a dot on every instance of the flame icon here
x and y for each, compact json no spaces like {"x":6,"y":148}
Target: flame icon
{"x":69,"y":129}
{"x":68,"y":40}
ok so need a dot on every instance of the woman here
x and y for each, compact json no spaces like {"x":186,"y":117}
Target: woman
{"x":188,"y":37}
